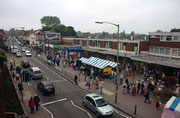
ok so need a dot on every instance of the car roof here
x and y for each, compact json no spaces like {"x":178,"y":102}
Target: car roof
{"x":94,"y":96}
{"x":46,"y":82}
{"x":35,"y":68}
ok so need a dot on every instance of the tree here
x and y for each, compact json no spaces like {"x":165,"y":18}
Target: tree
{"x":49,"y":21}
{"x":175,"y":30}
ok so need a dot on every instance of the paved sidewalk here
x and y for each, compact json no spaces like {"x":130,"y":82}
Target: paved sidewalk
{"x":125,"y":103}
{"x":28,"y":92}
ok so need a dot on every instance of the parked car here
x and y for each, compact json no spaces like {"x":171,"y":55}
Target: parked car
{"x":97,"y":104}
{"x":36,"y":73}
{"x":46,"y":87}
{"x":25,"y":63}
{"x":23,"y":49}
{"x":28,"y":53}
{"x":18,"y":54}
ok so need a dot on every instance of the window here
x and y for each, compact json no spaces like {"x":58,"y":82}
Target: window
{"x":174,"y":52}
{"x":156,"y":50}
{"x":176,"y":38}
{"x":178,"y":52}
{"x":135,"y":47}
{"x":124,"y":46}
{"x":74,"y":41}
{"x":106,"y":44}
{"x":98,"y":44}
{"x":90,"y":43}
{"x":151,"y":49}
{"x":78,"y":41}
{"x":167,"y":51}
{"x":169,"y":38}
{"x":163,"y":38}
{"x":161,"y":50}
{"x":110,"y":44}
{"x":95,"y":43}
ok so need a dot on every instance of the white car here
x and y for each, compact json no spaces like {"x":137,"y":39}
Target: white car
{"x":23,"y":49}
{"x":28,"y":53}
{"x":18,"y":54}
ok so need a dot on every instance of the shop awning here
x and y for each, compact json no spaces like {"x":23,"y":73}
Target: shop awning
{"x":83,"y":59}
{"x":173,"y":104}
{"x":99,"y":63}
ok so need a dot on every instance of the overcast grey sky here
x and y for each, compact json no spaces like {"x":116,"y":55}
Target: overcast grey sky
{"x":141,"y":16}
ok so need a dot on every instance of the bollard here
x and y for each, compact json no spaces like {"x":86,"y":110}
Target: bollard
{"x":135,"y":109}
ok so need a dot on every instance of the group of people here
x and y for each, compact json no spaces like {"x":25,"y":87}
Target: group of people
{"x":34,"y":103}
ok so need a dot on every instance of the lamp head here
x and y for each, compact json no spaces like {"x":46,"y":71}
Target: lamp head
{"x":99,"y":22}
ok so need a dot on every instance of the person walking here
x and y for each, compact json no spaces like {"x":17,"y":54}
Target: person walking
{"x":157,"y":102}
{"x":20,"y":86}
{"x":138,"y":87}
{"x":31,"y":104}
{"x":142,"y":88}
{"x":17,"y":76}
{"x":36,"y":101}
{"x":97,"y":82}
{"x":134,"y":90}
{"x":128,"y":88}
{"x":147,"y":96}
{"x":75,"y":79}
{"x":124,"y":87}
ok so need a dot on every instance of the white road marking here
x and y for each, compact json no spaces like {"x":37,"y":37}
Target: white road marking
{"x":54,"y":101}
{"x":48,"y":111}
{"x":46,"y":77}
{"x":81,"y":109}
{"x":120,"y":113}
{"x":105,"y":91}
{"x":58,"y":81}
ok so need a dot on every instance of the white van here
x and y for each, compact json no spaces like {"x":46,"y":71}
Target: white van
{"x":14,"y":49}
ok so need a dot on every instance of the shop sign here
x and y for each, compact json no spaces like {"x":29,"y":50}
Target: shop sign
{"x":107,"y":69}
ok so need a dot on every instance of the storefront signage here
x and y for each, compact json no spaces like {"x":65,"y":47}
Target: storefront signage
{"x":107,"y":69}
{"x":52,"y":36}
{"x":70,"y":48}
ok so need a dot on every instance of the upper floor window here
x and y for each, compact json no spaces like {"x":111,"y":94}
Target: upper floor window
{"x":90,"y":42}
{"x":124,"y":46}
{"x":156,"y":50}
{"x":110,"y":44}
{"x":98,"y":43}
{"x":151,"y":49}
{"x":95,"y":43}
{"x":74,"y":41}
{"x":167,"y":51}
{"x":135,"y":47}
{"x":176,"y":38}
{"x":106,"y":44}
{"x":169,"y":38}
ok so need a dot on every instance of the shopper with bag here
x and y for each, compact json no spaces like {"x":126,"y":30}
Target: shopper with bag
{"x":157,"y":102}
{"x":37,"y":101}
{"x":31,"y":104}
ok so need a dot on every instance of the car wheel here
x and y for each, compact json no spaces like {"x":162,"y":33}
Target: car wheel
{"x":97,"y":114}
{"x":84,"y":104}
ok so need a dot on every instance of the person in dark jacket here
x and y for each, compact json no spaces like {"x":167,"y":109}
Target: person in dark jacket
{"x":147,"y":96}
{"x":36,"y":101}
{"x":75,"y":79}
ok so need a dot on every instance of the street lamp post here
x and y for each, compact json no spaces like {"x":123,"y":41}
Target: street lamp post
{"x":117,"y":70}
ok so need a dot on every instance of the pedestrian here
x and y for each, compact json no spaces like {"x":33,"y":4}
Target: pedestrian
{"x":134,"y":90}
{"x":36,"y":101}
{"x":130,"y":71}
{"x":138,"y":87}
{"x":127,"y":81}
{"x":157,"y":102}
{"x":124,"y":87}
{"x":58,"y":60}
{"x":128,"y":88}
{"x":147,"y":96}
{"x":75,"y":79}
{"x":97,"y":82}
{"x":20,"y":86}
{"x":17,"y":76}
{"x":31,"y":104}
{"x":142,"y":88}
{"x":13,"y":74}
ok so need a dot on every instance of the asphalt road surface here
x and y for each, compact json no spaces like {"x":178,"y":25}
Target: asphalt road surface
{"x":67,"y":101}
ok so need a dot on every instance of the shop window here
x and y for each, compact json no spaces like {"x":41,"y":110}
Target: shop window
{"x":167,"y":51}
{"x":174,"y":52}
{"x":156,"y":50}
{"x":110,"y":44}
{"x":151,"y":49}
{"x":161,"y":50}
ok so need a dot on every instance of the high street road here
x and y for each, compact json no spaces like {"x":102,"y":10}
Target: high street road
{"x":67,"y":102}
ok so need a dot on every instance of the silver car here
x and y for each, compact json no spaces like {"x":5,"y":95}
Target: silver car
{"x":36,"y":73}
{"x":97,"y":104}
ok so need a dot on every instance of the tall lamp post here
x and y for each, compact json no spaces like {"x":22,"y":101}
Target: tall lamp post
{"x":117,"y":70}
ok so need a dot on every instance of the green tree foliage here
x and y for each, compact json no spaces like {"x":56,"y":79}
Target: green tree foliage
{"x":49,"y":21}
{"x":175,"y":30}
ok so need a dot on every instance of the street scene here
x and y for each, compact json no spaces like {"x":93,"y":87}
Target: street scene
{"x":58,"y":67}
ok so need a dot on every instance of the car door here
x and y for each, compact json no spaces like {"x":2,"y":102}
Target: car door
{"x":88,"y":103}
{"x":93,"y":105}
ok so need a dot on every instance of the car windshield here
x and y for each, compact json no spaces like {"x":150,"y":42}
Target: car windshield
{"x":101,"y":102}
{"x":48,"y":87}
{"x":37,"y":72}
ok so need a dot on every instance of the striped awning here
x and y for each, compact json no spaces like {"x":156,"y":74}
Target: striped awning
{"x":99,"y":63}
{"x":83,"y":59}
{"x":173,"y":104}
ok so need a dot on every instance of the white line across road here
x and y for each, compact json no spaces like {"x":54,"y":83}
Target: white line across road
{"x":54,"y":101}
{"x":58,"y":81}
{"x":81,"y":109}
{"x":120,"y":113}
{"x":48,"y":112}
